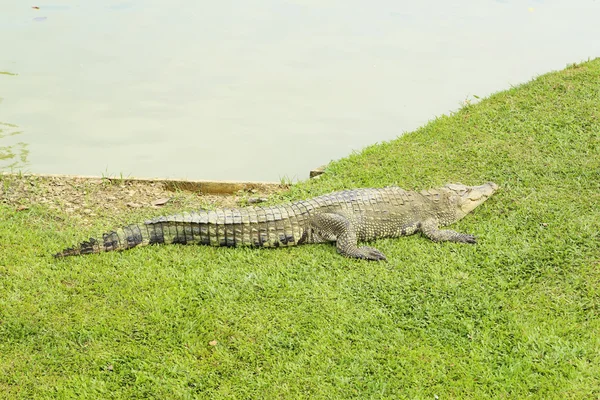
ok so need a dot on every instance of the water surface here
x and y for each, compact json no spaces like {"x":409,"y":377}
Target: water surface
{"x":257,"y":90}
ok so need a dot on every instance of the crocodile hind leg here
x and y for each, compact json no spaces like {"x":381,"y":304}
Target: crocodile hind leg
{"x":338,"y":228}
{"x":432,"y":231}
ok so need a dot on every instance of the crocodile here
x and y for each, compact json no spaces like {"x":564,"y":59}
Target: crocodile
{"x":345,"y":217}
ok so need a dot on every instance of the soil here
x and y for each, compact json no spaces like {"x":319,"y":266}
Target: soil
{"x":85,"y":198}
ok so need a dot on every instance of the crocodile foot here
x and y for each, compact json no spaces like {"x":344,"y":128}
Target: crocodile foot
{"x":370,"y":253}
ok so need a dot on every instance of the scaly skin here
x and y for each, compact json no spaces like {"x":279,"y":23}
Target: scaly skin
{"x":345,"y":218}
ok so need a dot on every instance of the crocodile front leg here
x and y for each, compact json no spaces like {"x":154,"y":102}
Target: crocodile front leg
{"x":431,"y":229}
{"x":338,"y":228}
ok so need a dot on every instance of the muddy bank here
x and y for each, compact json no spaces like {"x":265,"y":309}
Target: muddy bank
{"x":84,"y":198}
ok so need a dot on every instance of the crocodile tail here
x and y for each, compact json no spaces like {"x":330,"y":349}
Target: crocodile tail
{"x":119,"y":239}
{"x":89,"y":246}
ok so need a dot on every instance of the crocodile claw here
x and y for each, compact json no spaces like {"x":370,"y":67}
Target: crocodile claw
{"x":469,"y":239}
{"x":370,"y":253}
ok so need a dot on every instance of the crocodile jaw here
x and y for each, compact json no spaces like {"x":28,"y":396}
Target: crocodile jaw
{"x":469,"y":197}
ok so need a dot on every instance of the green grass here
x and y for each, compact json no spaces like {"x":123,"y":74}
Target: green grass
{"x":516,"y":316}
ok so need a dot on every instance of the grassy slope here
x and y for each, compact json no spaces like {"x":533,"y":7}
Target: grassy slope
{"x":514,"y":316}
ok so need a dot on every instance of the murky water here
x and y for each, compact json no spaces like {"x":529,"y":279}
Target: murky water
{"x":257,"y":90}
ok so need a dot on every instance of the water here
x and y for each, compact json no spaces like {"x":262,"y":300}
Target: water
{"x":257,"y":90}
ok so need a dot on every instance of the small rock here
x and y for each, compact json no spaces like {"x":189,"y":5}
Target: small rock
{"x":133,"y":205}
{"x":254,"y":200}
{"x":317,"y":171}
{"x":161,"y":202}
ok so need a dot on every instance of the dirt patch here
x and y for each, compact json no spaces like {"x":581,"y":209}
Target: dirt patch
{"x":84,"y":198}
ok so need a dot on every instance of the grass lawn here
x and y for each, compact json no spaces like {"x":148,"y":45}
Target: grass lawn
{"x":515,"y":316}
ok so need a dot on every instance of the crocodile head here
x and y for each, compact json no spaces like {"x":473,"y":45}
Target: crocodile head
{"x":466,"y":198}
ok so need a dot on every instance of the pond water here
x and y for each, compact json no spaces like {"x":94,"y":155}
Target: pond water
{"x":257,"y":90}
